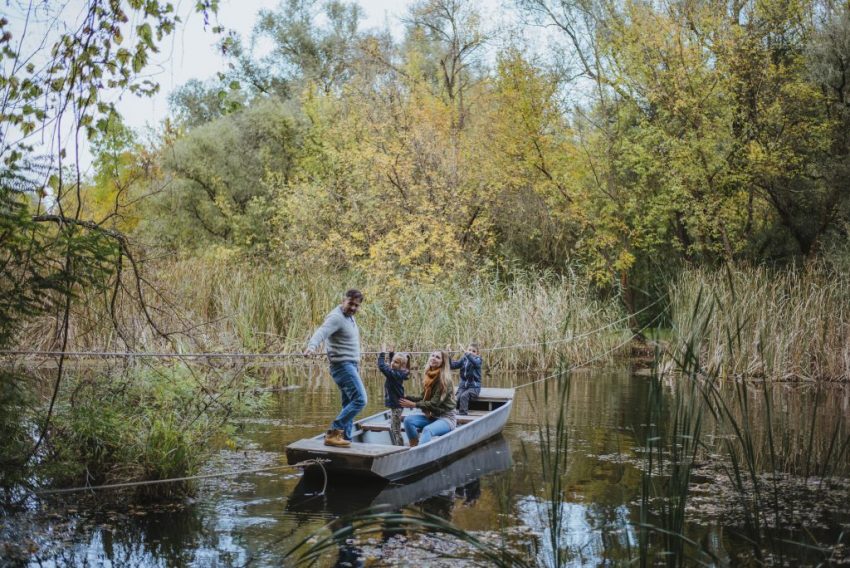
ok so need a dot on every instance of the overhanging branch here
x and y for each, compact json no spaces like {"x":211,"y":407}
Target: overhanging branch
{"x":126,"y":251}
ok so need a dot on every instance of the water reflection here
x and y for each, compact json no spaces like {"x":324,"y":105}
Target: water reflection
{"x":457,"y":484}
{"x":460,"y":479}
{"x":128,"y":538}
{"x":588,"y":538}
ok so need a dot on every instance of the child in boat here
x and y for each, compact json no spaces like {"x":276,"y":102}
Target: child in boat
{"x":470,"y":377}
{"x":395,"y":374}
{"x":437,"y":402}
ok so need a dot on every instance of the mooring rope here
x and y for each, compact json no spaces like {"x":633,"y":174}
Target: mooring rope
{"x":593,"y":359}
{"x":305,"y":463}
{"x":292,"y":354}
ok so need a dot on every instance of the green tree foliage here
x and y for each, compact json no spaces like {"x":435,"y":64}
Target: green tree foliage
{"x":536,"y":169}
{"x":313,"y":44}
{"x":693,"y":132}
{"x":215,"y":187}
{"x":707,"y":132}
{"x":391,"y":175}
{"x":198,"y":102}
{"x":827,"y":56}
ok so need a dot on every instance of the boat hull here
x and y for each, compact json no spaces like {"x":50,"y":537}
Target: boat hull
{"x":459,"y":476}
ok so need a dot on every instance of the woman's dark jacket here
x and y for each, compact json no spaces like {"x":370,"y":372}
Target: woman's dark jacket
{"x":440,"y":404}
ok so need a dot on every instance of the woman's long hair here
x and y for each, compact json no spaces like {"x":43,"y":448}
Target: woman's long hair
{"x":445,"y":374}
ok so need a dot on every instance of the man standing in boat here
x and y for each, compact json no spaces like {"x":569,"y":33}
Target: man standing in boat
{"x":341,"y":336}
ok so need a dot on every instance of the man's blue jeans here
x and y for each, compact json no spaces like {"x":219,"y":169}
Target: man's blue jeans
{"x":431,"y":427}
{"x":347,"y":378}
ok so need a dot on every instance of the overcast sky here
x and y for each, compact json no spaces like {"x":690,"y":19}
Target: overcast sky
{"x":190,"y":53}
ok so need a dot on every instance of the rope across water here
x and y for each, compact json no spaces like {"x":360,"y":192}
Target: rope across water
{"x":593,"y":359}
{"x":306,"y":463}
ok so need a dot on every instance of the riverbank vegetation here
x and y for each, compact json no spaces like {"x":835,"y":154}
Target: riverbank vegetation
{"x":763,"y":323}
{"x":129,"y":423}
{"x":524,"y":321}
{"x":515,"y":183}
{"x":144,"y":423}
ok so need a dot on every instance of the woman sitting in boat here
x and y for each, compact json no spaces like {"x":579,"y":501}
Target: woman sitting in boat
{"x":437,"y":402}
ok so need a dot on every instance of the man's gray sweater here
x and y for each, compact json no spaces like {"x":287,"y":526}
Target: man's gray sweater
{"x":341,"y":337}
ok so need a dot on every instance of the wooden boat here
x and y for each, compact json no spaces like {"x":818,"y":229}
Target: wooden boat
{"x":372,"y":454}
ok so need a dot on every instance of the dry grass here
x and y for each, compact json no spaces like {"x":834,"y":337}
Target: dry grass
{"x":755,"y":322}
{"x":234,"y":306}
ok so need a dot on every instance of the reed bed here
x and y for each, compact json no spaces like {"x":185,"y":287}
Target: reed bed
{"x":673,"y":439}
{"x":769,"y":451}
{"x":208,"y":305}
{"x":792,"y":324}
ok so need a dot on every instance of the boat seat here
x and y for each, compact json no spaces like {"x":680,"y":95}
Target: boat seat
{"x":385,"y":426}
{"x":473,"y":414}
{"x":491,"y":394}
{"x":375,"y":427}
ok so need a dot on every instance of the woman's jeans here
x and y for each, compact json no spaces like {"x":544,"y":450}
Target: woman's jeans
{"x":431,"y":427}
{"x":347,"y":378}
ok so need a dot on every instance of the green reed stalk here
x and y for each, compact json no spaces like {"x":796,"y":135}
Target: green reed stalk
{"x":673,"y":439}
{"x":554,"y":447}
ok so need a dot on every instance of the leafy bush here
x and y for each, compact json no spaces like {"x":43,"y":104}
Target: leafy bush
{"x":148,"y":424}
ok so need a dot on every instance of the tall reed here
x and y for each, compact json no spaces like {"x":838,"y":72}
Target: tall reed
{"x":234,"y":306}
{"x":788,"y":324}
{"x":673,"y":440}
{"x":759,"y":449}
{"x":554,"y":439}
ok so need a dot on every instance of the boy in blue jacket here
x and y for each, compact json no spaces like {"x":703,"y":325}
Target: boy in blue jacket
{"x":395,"y":374}
{"x":470,"y":377}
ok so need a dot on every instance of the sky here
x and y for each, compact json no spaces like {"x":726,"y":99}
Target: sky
{"x":190,"y":53}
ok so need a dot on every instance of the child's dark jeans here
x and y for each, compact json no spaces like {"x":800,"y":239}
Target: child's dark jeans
{"x":464,"y":395}
{"x":395,"y":426}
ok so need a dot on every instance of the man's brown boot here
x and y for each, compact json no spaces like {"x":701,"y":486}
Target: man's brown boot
{"x":334,"y":438}
{"x":414,"y":442}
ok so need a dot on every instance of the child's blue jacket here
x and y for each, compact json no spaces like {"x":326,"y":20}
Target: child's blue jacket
{"x":470,"y":370}
{"x":393,"y":382}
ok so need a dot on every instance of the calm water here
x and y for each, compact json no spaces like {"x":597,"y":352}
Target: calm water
{"x":497,"y":490}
